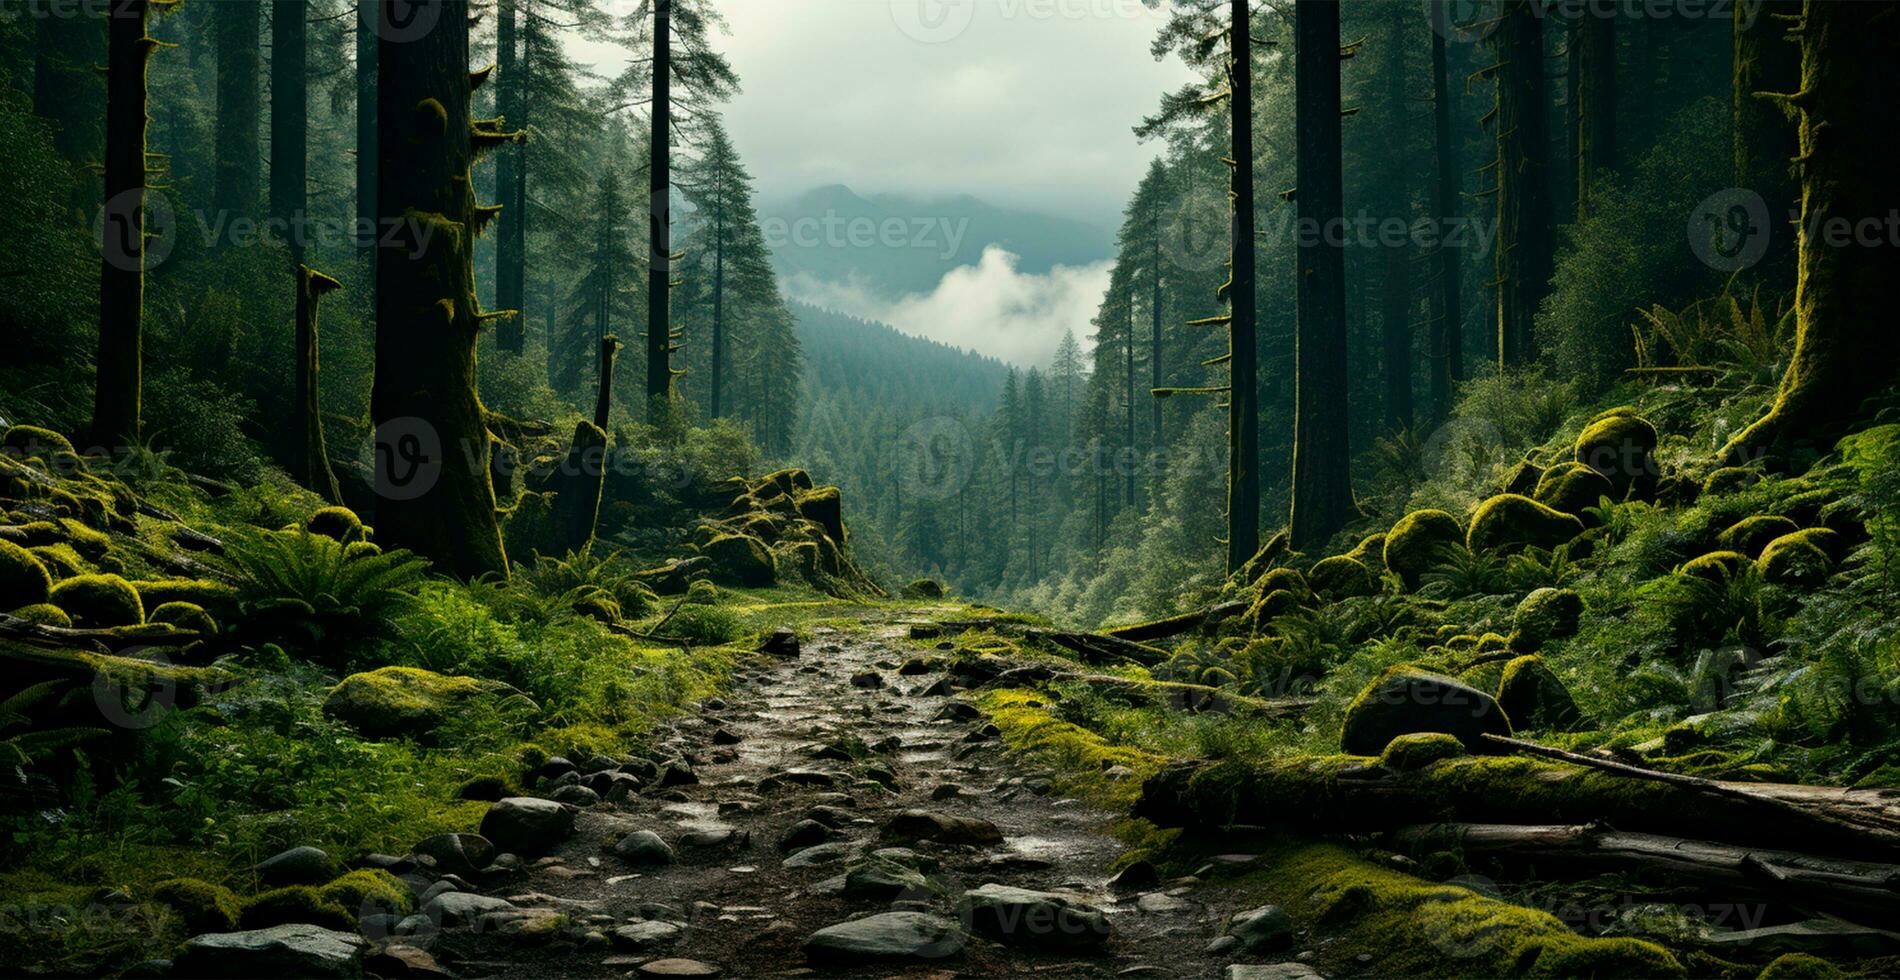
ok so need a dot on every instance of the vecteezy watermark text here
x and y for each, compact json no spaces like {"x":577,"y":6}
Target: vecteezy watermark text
{"x":833,"y":230}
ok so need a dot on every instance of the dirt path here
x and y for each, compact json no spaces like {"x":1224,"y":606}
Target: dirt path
{"x":764,"y":758}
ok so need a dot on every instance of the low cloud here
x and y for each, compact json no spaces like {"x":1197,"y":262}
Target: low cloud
{"x":989,"y":307}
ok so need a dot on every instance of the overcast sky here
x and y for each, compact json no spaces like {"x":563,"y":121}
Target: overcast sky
{"x":1027,"y":103}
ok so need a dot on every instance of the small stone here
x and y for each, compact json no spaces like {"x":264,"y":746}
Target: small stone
{"x":939,"y":688}
{"x":281,"y":951}
{"x":869,"y":679}
{"x":404,"y":961}
{"x":450,"y":910}
{"x":911,"y":825}
{"x":803,"y":834}
{"x":725,"y":736}
{"x":1222,"y":945}
{"x":885,"y":881}
{"x":886,"y":936}
{"x":958,"y":711}
{"x":1277,"y":971}
{"x":823,"y":854}
{"x":575,"y":796}
{"x":1138,"y":876}
{"x":678,"y":774}
{"x":830,"y":816}
{"x":1265,"y":929}
{"x":524,"y":825}
{"x":944,"y":791}
{"x":643,"y":847}
{"x":1032,"y":918}
{"x":645,"y":935}
{"x":1157,"y":903}
{"x":677,"y":968}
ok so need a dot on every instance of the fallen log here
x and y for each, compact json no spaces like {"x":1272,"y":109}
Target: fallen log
{"x":1863,"y":891}
{"x":96,"y":640}
{"x":1097,"y":650}
{"x":1186,"y":622}
{"x":1352,"y":794}
{"x":1192,"y":698}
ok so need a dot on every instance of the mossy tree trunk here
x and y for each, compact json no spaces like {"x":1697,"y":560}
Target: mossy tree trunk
{"x":1767,"y":63}
{"x":511,"y":240}
{"x":1845,"y":348}
{"x":1322,"y":484}
{"x":1447,"y":334}
{"x":1526,"y":243}
{"x":435,"y":492}
{"x":1396,"y":285}
{"x":604,"y":396}
{"x":1243,"y":410}
{"x":659,"y":221}
{"x":1155,"y":372}
{"x":289,"y":119}
{"x":118,"y":383}
{"x":240,"y":56}
{"x":366,"y":48}
{"x":717,"y":382}
{"x":312,"y":456}
{"x":1128,"y":402}
{"x":1593,"y":103}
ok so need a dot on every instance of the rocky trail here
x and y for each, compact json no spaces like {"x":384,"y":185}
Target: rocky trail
{"x":841,"y":813}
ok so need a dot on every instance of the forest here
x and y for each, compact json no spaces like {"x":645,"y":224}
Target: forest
{"x":1434,"y":516}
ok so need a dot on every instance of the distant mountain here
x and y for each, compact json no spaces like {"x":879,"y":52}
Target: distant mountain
{"x":891,"y":245}
{"x":872,"y":365}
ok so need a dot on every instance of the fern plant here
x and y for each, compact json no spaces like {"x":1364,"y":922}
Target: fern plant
{"x":1536,"y":568}
{"x":305,"y":589}
{"x":1467,"y":573}
{"x":21,"y":744}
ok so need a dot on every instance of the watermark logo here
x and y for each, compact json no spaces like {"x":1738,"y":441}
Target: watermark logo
{"x":407,"y":456}
{"x":135,"y":229}
{"x":1730,"y":230}
{"x":1197,"y":232}
{"x":403,"y":21}
{"x":933,"y":21}
{"x":935,"y":459}
{"x":1460,"y":21}
{"x":136,"y":699}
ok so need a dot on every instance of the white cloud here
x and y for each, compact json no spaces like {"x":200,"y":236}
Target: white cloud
{"x":989,"y":307}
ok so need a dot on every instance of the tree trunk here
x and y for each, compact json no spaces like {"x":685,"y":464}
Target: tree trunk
{"x":436,"y":497}
{"x":604,"y":395}
{"x":1448,"y":328}
{"x":366,"y":127}
{"x":1243,"y":415}
{"x":117,"y":387}
{"x":1593,"y":109}
{"x":311,"y":456}
{"x":1766,"y":140}
{"x":289,"y":121}
{"x":1154,"y":347}
{"x":1396,"y":313}
{"x":718,"y":313}
{"x":1525,"y":243}
{"x":235,"y":194}
{"x":66,"y":85}
{"x":1322,"y":478}
{"x":510,"y":333}
{"x":659,"y":222}
{"x":1128,"y":421}
{"x":1845,"y":351}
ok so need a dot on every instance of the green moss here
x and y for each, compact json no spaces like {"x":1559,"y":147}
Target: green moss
{"x":361,"y":549}
{"x":922,"y":588}
{"x":88,"y":541}
{"x":1082,"y":756}
{"x":45,"y":614}
{"x":1622,"y":448}
{"x":1716,"y":567}
{"x":24,"y":580}
{"x":95,"y":601}
{"x":1420,"y":749}
{"x":1729,"y":479}
{"x":1544,"y":615}
{"x":399,"y":701}
{"x":216,"y":598}
{"x":337,"y":523}
{"x":1511,"y":523}
{"x":702,"y":593}
{"x":1370,"y":551}
{"x":369,"y":891}
{"x":741,"y":559}
{"x":1795,"y":561}
{"x":1269,"y":607}
{"x":33,"y":442}
{"x":187,"y":615}
{"x":1412,"y":927}
{"x":62,"y":561}
{"x":295,"y":904}
{"x":1573,"y":488}
{"x":201,"y":905}
{"x":1340,"y":577}
{"x":1751,"y":534}
{"x":1420,"y":542}
{"x":1800,"y":966}
{"x":825,"y":507}
{"x":598,"y":606}
{"x":1533,"y":697}
{"x":1289,"y":579}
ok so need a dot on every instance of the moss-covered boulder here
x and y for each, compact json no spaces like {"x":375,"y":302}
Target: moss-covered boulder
{"x":1420,"y":749}
{"x":1751,"y":534}
{"x":216,"y":598}
{"x":98,"y":601}
{"x":922,"y":588}
{"x":1795,"y":561}
{"x":1508,"y":523}
{"x":1406,"y":700}
{"x":1522,"y":479}
{"x":186,"y":615}
{"x":1623,"y":449}
{"x":1573,"y":488}
{"x":337,"y":523}
{"x":44,"y":614}
{"x":1420,"y":542}
{"x":1545,"y":615}
{"x":1729,"y":479}
{"x":401,"y":702}
{"x":369,"y":891}
{"x":1800,"y":966}
{"x":741,"y":559}
{"x":295,"y":904}
{"x":1716,"y":567}
{"x":33,"y":442}
{"x":1370,"y":551}
{"x":1288,"y":579}
{"x":24,"y":580}
{"x":1340,"y":577}
{"x":202,"y":906}
{"x":1533,"y":697}
{"x":825,"y":507}
{"x":1271,"y":606}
